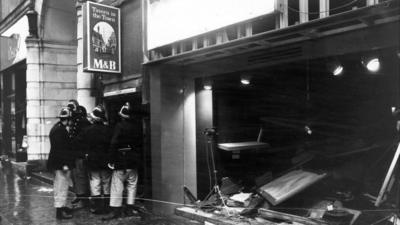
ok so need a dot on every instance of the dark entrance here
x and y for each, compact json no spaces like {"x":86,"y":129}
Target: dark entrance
{"x":13,"y":105}
{"x":113,"y":105}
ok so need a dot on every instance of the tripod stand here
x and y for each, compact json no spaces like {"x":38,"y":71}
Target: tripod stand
{"x":210,"y":133}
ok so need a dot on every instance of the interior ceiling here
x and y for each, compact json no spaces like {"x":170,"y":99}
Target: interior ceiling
{"x":318,"y":67}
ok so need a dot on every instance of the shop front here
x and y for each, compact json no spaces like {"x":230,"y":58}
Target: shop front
{"x":13,"y":86}
{"x":14,"y":108}
{"x":257,"y":108}
{"x":110,"y":57}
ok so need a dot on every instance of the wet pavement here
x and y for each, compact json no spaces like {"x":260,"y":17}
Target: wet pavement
{"x":28,"y":201}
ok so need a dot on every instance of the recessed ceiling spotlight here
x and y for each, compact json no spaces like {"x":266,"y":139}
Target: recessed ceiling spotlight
{"x":338,"y":70}
{"x":245,"y":79}
{"x":335,"y":67}
{"x":207,"y":85}
{"x":372,"y":64}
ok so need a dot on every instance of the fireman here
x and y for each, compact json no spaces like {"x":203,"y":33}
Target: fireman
{"x":126,"y":145}
{"x":61,"y":160}
{"x":80,"y":174}
{"x":95,"y":140}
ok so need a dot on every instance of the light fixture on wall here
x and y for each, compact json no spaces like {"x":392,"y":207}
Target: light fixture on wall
{"x":336,"y":68}
{"x":32,"y":16}
{"x":308,"y":130}
{"x":207,"y":84}
{"x":245,"y":79}
{"x":372,"y":63}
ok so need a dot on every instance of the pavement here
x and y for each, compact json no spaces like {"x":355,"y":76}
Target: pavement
{"x":29,"y":201}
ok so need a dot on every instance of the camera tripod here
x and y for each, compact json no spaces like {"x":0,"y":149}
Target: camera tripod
{"x":210,"y":133}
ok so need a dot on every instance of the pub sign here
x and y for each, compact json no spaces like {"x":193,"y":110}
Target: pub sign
{"x":101,"y":38}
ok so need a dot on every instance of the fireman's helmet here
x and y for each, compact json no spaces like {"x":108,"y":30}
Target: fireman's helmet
{"x":126,"y":111}
{"x":98,"y":113}
{"x":64,"y":113}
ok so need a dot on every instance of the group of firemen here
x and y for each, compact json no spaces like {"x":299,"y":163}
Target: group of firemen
{"x":101,"y":162}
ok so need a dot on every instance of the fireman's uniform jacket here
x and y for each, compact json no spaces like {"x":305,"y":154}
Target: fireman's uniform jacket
{"x":127,"y":135}
{"x":95,"y":140}
{"x":77,"y":124}
{"x":61,"y":152}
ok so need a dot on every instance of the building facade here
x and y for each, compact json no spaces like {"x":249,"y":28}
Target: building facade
{"x":265,"y":79}
{"x":38,"y":71}
{"x":42,"y":68}
{"x":265,"y":84}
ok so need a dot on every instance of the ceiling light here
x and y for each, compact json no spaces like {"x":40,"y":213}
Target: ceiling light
{"x":372,"y":64}
{"x":338,"y":70}
{"x":308,"y":130}
{"x":245,"y":81}
{"x":207,"y":85}
{"x":335,"y":67}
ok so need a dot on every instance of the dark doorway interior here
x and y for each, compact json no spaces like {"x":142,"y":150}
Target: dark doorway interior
{"x":344,"y":113}
{"x":13,"y":97}
{"x":113,"y":106}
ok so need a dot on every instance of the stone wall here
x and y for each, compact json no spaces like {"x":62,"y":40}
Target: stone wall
{"x":51,"y":82}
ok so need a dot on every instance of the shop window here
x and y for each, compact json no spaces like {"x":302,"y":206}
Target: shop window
{"x":313,"y":9}
{"x":200,"y":43}
{"x":164,"y":51}
{"x":293,"y":12}
{"x":231,"y":33}
{"x":186,"y":46}
{"x":263,"y":24}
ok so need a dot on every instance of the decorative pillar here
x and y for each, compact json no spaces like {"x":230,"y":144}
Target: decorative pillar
{"x":50,"y":82}
{"x":84,"y":80}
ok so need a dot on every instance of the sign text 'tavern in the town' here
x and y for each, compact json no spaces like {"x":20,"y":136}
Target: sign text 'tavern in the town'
{"x":101,"y":38}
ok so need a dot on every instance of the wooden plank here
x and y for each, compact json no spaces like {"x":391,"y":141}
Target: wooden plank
{"x":270,"y":214}
{"x":346,"y":153}
{"x":212,"y":218}
{"x":238,"y":146}
{"x":288,"y":185}
{"x":387,"y":178}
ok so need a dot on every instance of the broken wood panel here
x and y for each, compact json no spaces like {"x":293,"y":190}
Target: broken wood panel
{"x":270,"y":214}
{"x":288,"y":185}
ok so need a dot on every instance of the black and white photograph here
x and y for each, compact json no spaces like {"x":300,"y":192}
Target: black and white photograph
{"x":200,"y":112}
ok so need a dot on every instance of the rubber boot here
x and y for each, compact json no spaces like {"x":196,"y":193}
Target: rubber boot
{"x":116,"y":213}
{"x":97,"y":207}
{"x":106,"y":204}
{"x":62,"y":214}
{"x":78,"y":199}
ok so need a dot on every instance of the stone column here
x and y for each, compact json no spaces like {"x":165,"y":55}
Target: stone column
{"x":84,"y":80}
{"x":50,"y":77}
{"x":173,"y":132}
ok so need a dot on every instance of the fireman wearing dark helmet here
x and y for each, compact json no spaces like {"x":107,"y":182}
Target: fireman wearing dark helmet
{"x":125,"y":148}
{"x":95,"y":141}
{"x":77,"y":123}
{"x":61,"y":160}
